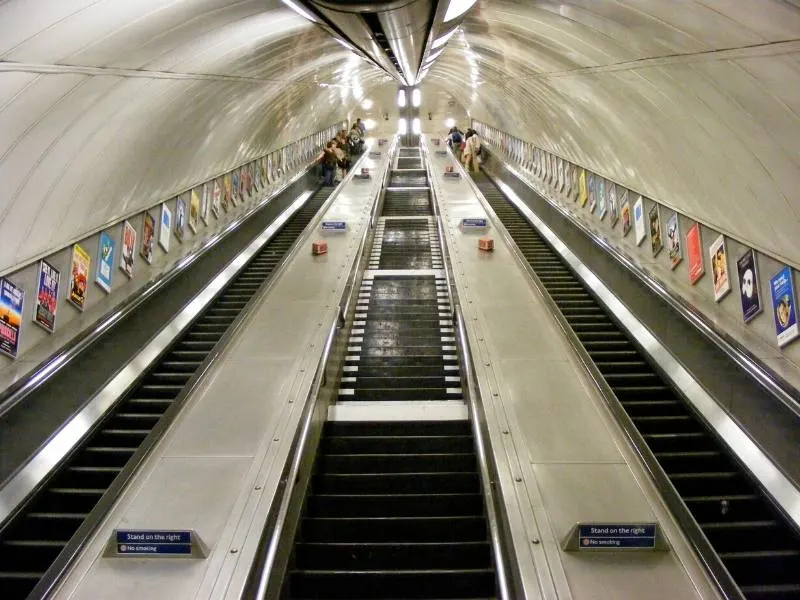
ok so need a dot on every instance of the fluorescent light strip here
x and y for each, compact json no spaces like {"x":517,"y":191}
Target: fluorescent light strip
{"x":457,"y":8}
{"x":300,"y":10}
{"x":442,"y":39}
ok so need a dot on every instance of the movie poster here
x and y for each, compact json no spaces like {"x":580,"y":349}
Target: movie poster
{"x":674,"y":241}
{"x":105,"y":261}
{"x":128,"y":249}
{"x":180,"y":218}
{"x":719,"y":268}
{"x":205,"y":202}
{"x":613,"y":207}
{"x":601,"y":197}
{"x":625,"y":212}
{"x":257,"y":175}
{"x":583,"y":196}
{"x":748,"y":285}
{"x":694,"y":252}
{"x":248,"y":184}
{"x":79,"y":277}
{"x":166,"y":227}
{"x":638,"y":220}
{"x":568,"y":179}
{"x":656,"y":241}
{"x":12,"y":299}
{"x":236,"y":190}
{"x":592,"y":189}
{"x":783,"y":305}
{"x":44,"y":311}
{"x":216,"y":199}
{"x":227,"y":190}
{"x":148,"y":237}
{"x":194,"y":210}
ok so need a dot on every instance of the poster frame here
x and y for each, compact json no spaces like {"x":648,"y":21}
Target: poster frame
{"x":148,"y":243}
{"x":721,"y":279}
{"x":165,"y":227}
{"x":741,"y":270}
{"x":123,"y":265}
{"x":640,"y":231}
{"x":656,"y":233}
{"x":7,"y":347}
{"x":102,"y":279}
{"x":51,"y":328}
{"x":79,"y":252}
{"x":674,"y":247}
{"x":784,"y":334}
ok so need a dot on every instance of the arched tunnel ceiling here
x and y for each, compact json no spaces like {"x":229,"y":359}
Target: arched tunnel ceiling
{"x":693,"y":102}
{"x":107,"y":106}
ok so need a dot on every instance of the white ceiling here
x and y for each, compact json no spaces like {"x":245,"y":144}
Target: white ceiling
{"x":107,"y":106}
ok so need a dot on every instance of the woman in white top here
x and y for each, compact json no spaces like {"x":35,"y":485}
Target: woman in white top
{"x":471,"y":150}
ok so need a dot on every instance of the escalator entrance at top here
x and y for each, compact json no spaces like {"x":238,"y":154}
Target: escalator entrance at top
{"x":395,"y":508}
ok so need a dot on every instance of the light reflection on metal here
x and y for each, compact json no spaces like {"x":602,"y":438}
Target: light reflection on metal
{"x":457,"y":8}
{"x":300,"y":10}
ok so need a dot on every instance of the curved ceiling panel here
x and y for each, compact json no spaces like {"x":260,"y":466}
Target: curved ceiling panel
{"x":107,"y":106}
{"x":692,"y":102}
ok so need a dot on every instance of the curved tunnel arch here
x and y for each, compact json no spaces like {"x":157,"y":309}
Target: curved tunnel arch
{"x":107,"y":107}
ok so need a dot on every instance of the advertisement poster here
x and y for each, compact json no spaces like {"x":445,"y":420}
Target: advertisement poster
{"x":128,"y":249}
{"x":194,"y":211}
{"x":148,"y":237}
{"x":180,"y":218}
{"x":166,"y":227}
{"x":638,"y":220}
{"x":783,"y":306}
{"x":592,"y":185}
{"x":269,"y":169}
{"x":674,"y":241}
{"x":568,"y":187}
{"x":248,"y":184}
{"x":626,"y":215}
{"x":257,"y":184}
{"x":105,"y":261}
{"x":216,"y":198}
{"x":613,"y":207}
{"x":583,"y":195}
{"x":205,"y":202}
{"x":79,"y":277}
{"x":656,"y":241}
{"x":576,"y":183}
{"x":44,"y":312}
{"x":719,"y":268}
{"x":601,"y":196}
{"x":227,"y":190}
{"x":237,"y":184}
{"x":694,"y":252}
{"x":748,"y":285}
{"x":11,"y":301}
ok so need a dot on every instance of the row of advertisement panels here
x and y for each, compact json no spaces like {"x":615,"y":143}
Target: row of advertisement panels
{"x":626,"y":212}
{"x":193,"y":210}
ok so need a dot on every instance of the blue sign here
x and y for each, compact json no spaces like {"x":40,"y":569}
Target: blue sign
{"x":783,"y":305}
{"x":452,"y":174}
{"x":616,"y":537}
{"x":475,"y":223}
{"x":154,"y":542}
{"x":334,"y":225}
{"x":105,"y":261}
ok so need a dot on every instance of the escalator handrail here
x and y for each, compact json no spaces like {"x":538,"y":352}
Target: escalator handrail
{"x":261,"y":576}
{"x":713,"y":565}
{"x":52,"y":365}
{"x":772,"y":382}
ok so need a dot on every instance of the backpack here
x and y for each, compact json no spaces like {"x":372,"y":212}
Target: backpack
{"x":457,"y":137}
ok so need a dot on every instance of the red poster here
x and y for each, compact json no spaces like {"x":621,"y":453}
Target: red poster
{"x":694,"y":252}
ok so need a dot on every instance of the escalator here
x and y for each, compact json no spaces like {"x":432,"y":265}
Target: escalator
{"x":755,"y":541}
{"x":395,"y":508}
{"x":40,"y":530}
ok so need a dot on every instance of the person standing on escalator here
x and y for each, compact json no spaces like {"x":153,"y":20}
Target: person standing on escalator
{"x":472,"y":150}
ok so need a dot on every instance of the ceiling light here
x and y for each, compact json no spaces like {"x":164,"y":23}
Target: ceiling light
{"x":416,"y":97}
{"x":369,"y":124}
{"x":300,"y":10}
{"x":450,"y":123}
{"x":442,"y":39}
{"x":366,"y":104}
{"x":401,"y":98}
{"x":433,"y":56}
{"x":402,"y":127}
{"x":416,"y":126}
{"x":457,"y":8}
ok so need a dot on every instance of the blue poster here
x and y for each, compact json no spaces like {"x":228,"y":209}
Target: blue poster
{"x":11,"y":301}
{"x":105,"y":261}
{"x":783,"y":305}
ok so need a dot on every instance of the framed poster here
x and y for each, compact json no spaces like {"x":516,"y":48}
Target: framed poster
{"x":79,"y":277}
{"x":12,"y":299}
{"x":105,"y":261}
{"x":592,"y":190}
{"x":613,"y":207}
{"x":44,"y":311}
{"x":180,"y":218}
{"x":205,"y":202}
{"x":128,"y":249}
{"x":749,"y":293}
{"x":227,"y":190}
{"x":674,"y":241}
{"x":638,"y":220}
{"x":216,"y":199}
{"x":148,"y":237}
{"x":601,"y":197}
{"x":166,"y":227}
{"x":257,"y":175}
{"x":694,"y":252}
{"x":237,"y":186}
{"x":194,"y":210}
{"x":656,"y":241}
{"x":719,"y":268}
{"x":783,"y":305}
{"x":568,"y":179}
{"x":583,"y":196}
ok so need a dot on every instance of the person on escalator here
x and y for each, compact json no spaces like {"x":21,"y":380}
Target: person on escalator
{"x":329,"y":161}
{"x":472,"y":149}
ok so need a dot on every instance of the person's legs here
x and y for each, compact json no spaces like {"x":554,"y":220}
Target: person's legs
{"x":328,"y":175}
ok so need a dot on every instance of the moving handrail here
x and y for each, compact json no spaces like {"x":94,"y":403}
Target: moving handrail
{"x":771,"y":381}
{"x":263,"y":581}
{"x":39,"y":375}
